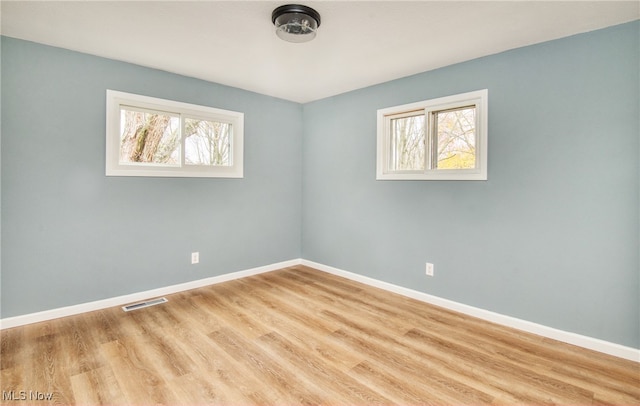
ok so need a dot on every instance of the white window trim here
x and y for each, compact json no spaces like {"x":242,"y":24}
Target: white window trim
{"x":478,"y":98}
{"x":116,"y":99}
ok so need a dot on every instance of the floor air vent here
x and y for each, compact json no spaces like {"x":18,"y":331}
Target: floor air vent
{"x":147,"y":303}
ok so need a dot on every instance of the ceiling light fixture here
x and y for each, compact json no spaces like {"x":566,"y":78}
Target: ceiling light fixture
{"x":295,"y":23}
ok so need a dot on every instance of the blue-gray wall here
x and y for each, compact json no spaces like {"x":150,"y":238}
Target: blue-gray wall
{"x":552,"y":237}
{"x":72,"y":235}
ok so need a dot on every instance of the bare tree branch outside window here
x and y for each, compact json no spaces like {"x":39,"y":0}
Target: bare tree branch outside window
{"x":456,"y":138}
{"x":408,"y":138}
{"x":207,"y":142}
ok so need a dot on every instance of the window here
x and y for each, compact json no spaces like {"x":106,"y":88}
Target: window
{"x":439,"y":139}
{"x":147,"y":136}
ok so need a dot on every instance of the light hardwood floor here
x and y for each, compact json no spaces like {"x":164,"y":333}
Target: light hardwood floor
{"x":300,"y":336}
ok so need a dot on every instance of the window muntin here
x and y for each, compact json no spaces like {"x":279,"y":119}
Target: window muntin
{"x":440,"y":139}
{"x":147,"y":136}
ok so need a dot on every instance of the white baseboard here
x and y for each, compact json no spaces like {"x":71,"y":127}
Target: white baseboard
{"x":136,"y":297}
{"x":595,"y":344}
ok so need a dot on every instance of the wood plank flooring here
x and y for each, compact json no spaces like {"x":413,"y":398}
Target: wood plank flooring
{"x":299,"y":336}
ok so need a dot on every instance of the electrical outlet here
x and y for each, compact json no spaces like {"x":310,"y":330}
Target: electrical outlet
{"x":429,"y":269}
{"x":195,"y":257}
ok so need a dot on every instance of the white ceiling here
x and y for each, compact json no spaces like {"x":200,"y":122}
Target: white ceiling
{"x":359,"y":43}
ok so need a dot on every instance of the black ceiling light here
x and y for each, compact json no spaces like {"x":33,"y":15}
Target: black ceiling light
{"x":295,"y":23}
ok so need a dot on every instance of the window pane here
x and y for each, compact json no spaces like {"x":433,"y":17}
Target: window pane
{"x":407,"y":143}
{"x":456,"y":137}
{"x":207,"y":142}
{"x":149,"y":137}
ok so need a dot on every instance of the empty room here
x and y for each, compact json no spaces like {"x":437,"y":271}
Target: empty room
{"x":328,"y":202}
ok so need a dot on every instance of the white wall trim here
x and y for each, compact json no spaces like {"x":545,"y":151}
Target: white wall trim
{"x":136,"y":297}
{"x":595,"y":344}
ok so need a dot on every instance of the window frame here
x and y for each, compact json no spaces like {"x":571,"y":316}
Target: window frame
{"x":113,"y":167}
{"x":479,"y":99}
